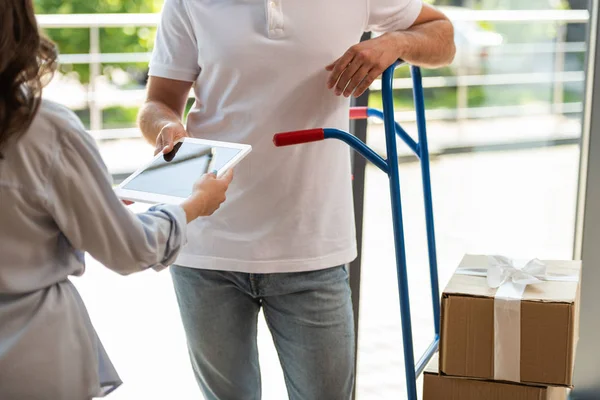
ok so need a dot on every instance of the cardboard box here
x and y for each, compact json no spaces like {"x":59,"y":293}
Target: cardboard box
{"x":440,"y":387}
{"x":549,"y":320}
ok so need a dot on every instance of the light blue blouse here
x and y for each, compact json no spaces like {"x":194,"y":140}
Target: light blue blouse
{"x":57,"y":202}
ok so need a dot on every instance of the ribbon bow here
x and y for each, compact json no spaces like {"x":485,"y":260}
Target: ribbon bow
{"x":511,"y":278}
{"x":502,"y":269}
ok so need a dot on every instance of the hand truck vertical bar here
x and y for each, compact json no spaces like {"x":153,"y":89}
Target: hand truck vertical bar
{"x":390,"y":167}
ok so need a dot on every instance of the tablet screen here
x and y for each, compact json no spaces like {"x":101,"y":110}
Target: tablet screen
{"x":174,"y":174}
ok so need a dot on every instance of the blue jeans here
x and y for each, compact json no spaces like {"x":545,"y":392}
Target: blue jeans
{"x":309,"y":315}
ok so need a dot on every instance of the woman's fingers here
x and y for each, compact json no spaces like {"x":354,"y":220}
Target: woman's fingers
{"x":228,"y":177}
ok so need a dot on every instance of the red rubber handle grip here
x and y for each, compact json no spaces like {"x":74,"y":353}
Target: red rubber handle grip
{"x":358,"y":112}
{"x":297,"y":137}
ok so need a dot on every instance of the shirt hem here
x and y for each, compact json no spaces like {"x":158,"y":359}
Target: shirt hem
{"x":267,"y":267}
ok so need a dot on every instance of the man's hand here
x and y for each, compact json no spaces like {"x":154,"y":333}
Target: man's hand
{"x":161,"y":115}
{"x":354,"y":72}
{"x":429,"y":42}
{"x":167,"y":137}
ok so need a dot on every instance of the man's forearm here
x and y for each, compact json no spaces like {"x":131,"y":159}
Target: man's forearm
{"x":153,"y":117}
{"x":429,"y":45}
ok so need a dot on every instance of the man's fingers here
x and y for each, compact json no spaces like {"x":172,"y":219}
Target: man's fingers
{"x":169,"y":134}
{"x":159,"y":146}
{"x":347,"y":75}
{"x":339,"y":67}
{"x":168,"y":148}
{"x":357,"y":78}
{"x":170,"y":155}
{"x":330,"y":66}
{"x":364,"y":85}
{"x":161,"y":150}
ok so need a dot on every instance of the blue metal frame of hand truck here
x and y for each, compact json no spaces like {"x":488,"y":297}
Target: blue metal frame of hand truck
{"x":390,"y":167}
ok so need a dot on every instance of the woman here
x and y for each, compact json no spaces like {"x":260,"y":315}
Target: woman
{"x":56,"y":201}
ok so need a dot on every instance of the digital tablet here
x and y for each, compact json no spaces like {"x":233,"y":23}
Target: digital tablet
{"x":169,"y":178}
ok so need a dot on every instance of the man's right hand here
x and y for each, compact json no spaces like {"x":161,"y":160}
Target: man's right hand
{"x":168,"y":135}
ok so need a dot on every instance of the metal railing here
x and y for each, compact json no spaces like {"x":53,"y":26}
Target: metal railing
{"x":462,"y":82}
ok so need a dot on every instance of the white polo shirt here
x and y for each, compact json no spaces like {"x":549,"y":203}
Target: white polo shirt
{"x":258,"y":68}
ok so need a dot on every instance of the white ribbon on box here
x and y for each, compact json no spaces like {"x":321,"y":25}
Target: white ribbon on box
{"x":511,"y":278}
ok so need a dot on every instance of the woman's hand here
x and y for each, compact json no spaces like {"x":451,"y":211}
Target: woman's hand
{"x":207,"y":196}
{"x":168,"y":135}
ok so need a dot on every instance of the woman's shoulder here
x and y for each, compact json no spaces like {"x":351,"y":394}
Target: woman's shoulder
{"x":54,"y":126}
{"x":57,"y":116}
{"x":28,"y":162}
{"x":53,"y":129}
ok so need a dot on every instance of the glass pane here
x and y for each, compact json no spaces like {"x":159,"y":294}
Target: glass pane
{"x":503,"y":128}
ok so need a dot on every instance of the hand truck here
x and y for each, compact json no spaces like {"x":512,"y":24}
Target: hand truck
{"x":390,"y":167}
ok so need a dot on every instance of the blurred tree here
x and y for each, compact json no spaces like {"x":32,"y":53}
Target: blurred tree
{"x":112,"y":40}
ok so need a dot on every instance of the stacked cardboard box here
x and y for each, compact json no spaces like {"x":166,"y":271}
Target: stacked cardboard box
{"x":442,"y":387}
{"x":508,"y":331}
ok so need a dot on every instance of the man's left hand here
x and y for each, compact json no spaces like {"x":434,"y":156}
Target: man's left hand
{"x":428,"y":42}
{"x":354,"y":72}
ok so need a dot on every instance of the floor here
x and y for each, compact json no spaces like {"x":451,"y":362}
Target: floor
{"x":519,"y":203}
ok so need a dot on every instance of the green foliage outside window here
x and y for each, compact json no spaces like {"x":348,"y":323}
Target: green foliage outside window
{"x":112,"y":40}
{"x":141,"y":40}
